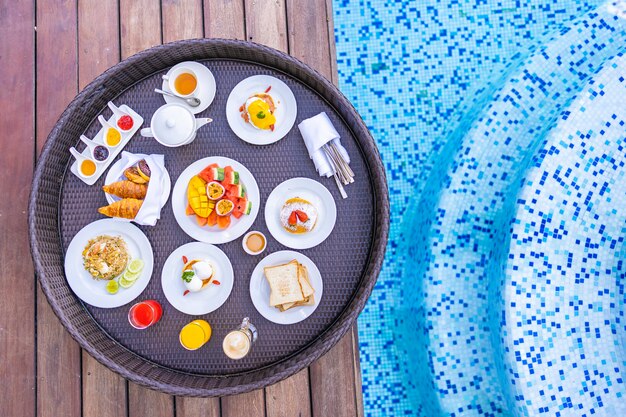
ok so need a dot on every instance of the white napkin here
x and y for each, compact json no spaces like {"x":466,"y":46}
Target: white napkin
{"x":316,"y":132}
{"x":157,"y":194}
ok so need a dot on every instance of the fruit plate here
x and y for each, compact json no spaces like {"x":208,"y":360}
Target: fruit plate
{"x":260,"y":289}
{"x":213,"y":234}
{"x":93,"y":291}
{"x":208,"y":299}
{"x":286,"y":109}
{"x":318,"y":196}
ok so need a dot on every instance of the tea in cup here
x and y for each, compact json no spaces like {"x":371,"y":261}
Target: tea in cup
{"x":182,"y":81}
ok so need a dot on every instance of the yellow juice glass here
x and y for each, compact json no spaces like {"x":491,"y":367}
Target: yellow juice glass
{"x":195,"y":334}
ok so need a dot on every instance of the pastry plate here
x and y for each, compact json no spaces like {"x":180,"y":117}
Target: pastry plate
{"x":286,"y":109}
{"x":206,"y":300}
{"x":260,"y":289}
{"x":93,"y":291}
{"x":316,"y":194}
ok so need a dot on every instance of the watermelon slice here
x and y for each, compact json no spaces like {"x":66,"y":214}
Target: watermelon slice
{"x":207,"y":173}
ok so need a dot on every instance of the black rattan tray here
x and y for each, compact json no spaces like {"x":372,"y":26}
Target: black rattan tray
{"x":349,"y":260}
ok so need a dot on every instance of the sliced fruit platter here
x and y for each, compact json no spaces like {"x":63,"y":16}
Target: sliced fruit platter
{"x":215,"y":195}
{"x":215,"y":200}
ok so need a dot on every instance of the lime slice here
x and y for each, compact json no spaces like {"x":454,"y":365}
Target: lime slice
{"x":130,"y":276}
{"x":135,"y":266}
{"x":112,"y":287}
{"x":124,"y":283}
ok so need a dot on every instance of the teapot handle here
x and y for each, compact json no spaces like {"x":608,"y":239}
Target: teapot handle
{"x":146,"y":132}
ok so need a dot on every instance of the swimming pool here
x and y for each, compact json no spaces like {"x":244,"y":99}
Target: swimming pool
{"x":502,"y":133}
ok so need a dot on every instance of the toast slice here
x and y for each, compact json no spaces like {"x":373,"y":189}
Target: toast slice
{"x":284,"y":283}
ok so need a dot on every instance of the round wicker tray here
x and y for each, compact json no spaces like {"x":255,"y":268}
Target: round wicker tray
{"x":350,"y":259}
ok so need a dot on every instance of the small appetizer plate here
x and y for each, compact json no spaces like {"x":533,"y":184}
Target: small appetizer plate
{"x":313,"y":192}
{"x":213,"y":234}
{"x":116,"y":173}
{"x":260,"y":289}
{"x":93,"y":291}
{"x":207,"y":299}
{"x":205,"y":91}
{"x":284,"y":100}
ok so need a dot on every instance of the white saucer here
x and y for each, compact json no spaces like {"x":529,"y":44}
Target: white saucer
{"x":116,"y":173}
{"x":93,"y":291}
{"x":206,"y":300}
{"x":316,"y":194}
{"x":260,"y":289}
{"x":205,"y":91}
{"x":286,"y":109}
{"x":214,"y":234}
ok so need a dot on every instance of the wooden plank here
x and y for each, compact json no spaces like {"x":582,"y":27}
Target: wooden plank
{"x":308,"y":34}
{"x":17,"y":311}
{"x":334,"y":73}
{"x":358,"y":382}
{"x":104,"y":392}
{"x":140,"y":25}
{"x":144,"y":402}
{"x":194,"y":407}
{"x":58,"y":355}
{"x":224,"y":19}
{"x":266,"y":23}
{"x":251,"y":404}
{"x":290,"y":397}
{"x":333,"y":382}
{"x":182,"y":19}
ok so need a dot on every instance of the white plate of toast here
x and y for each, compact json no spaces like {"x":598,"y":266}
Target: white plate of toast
{"x":286,"y":287}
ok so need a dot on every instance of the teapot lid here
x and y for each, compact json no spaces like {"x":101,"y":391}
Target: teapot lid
{"x":173,"y":124}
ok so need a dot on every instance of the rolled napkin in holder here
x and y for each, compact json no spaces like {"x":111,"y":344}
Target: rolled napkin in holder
{"x":317,"y":131}
{"x":158,"y":190}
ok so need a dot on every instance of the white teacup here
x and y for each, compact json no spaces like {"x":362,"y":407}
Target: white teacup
{"x":173,"y":75}
{"x":174,"y":125}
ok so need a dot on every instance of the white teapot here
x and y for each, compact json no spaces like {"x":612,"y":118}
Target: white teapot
{"x":174,"y":125}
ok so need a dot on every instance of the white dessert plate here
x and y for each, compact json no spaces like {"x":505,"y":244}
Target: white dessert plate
{"x":209,"y":298}
{"x":318,"y":196}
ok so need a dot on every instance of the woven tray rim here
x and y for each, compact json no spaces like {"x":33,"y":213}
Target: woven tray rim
{"x":158,"y":377}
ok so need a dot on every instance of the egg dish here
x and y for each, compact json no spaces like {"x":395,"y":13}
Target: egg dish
{"x":298,"y":215}
{"x":197,"y":274}
{"x":259,"y":110}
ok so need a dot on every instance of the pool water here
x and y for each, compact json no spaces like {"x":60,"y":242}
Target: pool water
{"x":501,"y":125}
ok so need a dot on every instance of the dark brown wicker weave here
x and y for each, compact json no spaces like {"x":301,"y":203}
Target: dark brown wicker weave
{"x":60,"y":205}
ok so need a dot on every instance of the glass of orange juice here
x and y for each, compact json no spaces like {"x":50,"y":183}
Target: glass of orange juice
{"x":194,"y":335}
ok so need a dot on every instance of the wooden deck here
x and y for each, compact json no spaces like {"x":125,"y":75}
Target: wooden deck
{"x":49,"y":50}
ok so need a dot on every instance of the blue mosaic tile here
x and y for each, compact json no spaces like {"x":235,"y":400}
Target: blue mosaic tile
{"x":460,"y":95}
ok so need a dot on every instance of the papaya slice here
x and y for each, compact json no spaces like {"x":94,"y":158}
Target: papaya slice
{"x":202,"y":221}
{"x":212,"y":219}
{"x":189,"y":211}
{"x":223,"y":221}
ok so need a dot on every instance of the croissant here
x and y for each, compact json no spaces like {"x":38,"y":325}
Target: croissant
{"x":126,"y":189}
{"x":133,"y":174}
{"x":126,"y":208}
